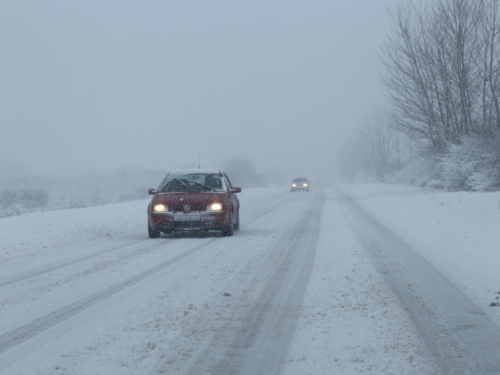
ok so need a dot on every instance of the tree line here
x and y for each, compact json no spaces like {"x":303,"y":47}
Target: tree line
{"x":442,"y":79}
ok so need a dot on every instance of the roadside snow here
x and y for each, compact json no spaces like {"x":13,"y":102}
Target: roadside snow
{"x":34,"y":239}
{"x":458,"y":232}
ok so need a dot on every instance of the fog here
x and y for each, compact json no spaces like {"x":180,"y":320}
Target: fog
{"x":104,"y":85}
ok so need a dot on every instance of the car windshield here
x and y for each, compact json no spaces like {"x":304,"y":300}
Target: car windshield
{"x":300,"y":180}
{"x":196,"y":182}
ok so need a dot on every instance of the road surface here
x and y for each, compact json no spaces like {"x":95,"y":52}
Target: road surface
{"x":311,"y":284}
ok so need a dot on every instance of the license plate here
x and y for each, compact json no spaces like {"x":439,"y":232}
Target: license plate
{"x":187,"y":217}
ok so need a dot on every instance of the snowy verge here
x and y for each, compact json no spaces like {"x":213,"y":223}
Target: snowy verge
{"x":456,"y":231}
{"x":38,"y":237}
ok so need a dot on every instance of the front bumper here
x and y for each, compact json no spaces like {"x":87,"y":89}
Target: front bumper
{"x":207,"y":221}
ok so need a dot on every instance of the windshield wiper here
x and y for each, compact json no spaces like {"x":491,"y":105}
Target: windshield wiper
{"x":183,"y":184}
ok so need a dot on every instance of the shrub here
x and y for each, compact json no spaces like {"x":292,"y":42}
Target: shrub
{"x":471,"y":165}
{"x":23,"y":198}
{"x":474,"y":164}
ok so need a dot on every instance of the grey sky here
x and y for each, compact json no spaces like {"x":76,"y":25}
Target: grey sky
{"x":108,"y":84}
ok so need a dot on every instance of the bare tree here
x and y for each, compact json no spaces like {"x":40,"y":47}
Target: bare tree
{"x":490,"y":79}
{"x":380,"y":144}
{"x":443,"y":69}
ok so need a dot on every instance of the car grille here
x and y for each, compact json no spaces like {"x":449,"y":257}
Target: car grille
{"x":196,"y":207}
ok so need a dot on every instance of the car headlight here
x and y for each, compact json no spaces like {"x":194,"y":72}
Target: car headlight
{"x":305,"y":184}
{"x":294,"y":185}
{"x":214,"y":207}
{"x":160,"y":208}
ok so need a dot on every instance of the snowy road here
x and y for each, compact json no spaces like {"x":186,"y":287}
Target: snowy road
{"x":458,"y":335}
{"x":311,"y":284}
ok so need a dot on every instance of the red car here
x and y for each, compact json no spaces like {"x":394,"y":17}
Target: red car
{"x":194,"y":199}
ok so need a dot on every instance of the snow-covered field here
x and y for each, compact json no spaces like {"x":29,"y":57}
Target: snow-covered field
{"x":295,"y":291}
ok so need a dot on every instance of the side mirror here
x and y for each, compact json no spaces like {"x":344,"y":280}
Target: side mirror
{"x":236,"y":190}
{"x":152,"y":191}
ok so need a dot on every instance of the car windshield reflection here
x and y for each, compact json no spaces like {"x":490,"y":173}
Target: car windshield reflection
{"x":199,"y":183}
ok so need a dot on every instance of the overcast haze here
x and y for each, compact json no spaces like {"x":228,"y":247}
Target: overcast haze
{"x":154,"y":84}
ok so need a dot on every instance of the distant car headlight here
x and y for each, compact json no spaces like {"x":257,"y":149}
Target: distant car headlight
{"x":294,"y":185}
{"x":214,"y":207}
{"x":305,"y":184}
{"x":160,"y":208}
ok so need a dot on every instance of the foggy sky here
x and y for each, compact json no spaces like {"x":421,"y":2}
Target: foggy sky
{"x":154,"y":84}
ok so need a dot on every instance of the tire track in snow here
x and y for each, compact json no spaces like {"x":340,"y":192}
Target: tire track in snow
{"x":260,"y":344}
{"x":18,"y":336}
{"x":58,"y":266}
{"x":458,"y":335}
{"x":21,"y":334}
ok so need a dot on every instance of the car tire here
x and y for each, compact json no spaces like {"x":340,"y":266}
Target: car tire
{"x":229,"y":230}
{"x":153,"y":233}
{"x":237,"y":224}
